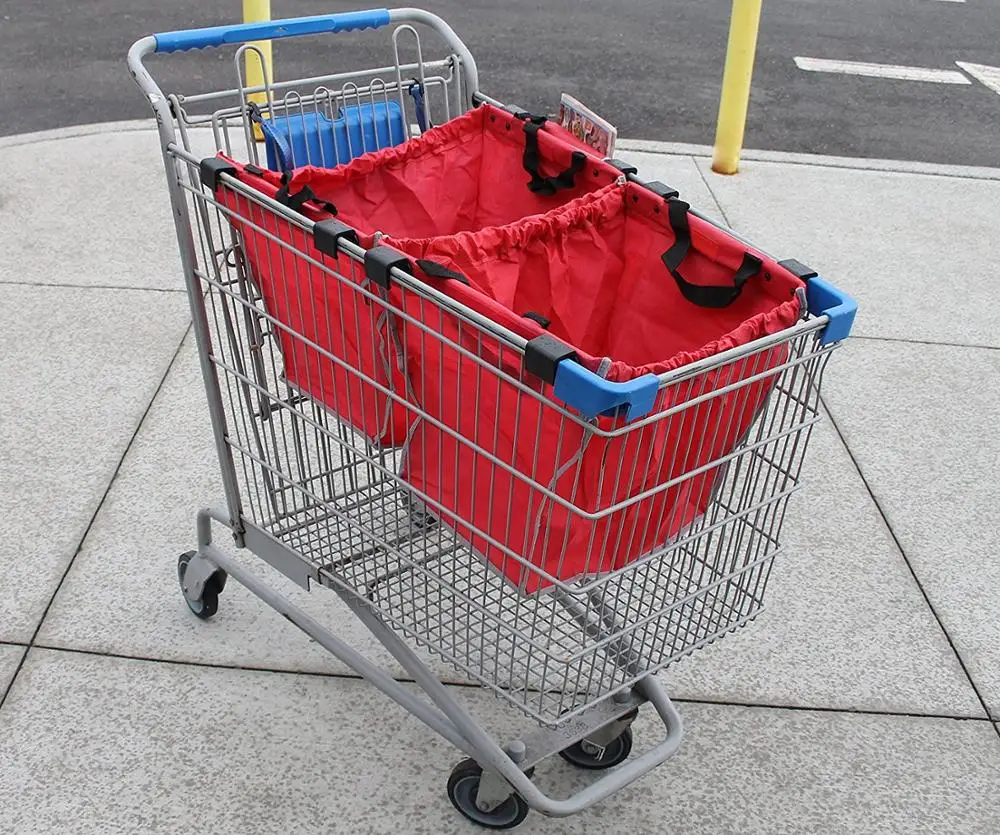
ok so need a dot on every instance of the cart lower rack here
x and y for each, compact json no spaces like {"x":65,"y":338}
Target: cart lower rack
{"x":313,"y":491}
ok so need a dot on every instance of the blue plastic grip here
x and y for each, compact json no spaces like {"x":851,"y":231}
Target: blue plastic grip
{"x":823,"y":299}
{"x":270,"y":30}
{"x":592,"y":395}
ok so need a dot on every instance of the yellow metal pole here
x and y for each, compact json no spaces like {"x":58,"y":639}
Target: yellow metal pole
{"x":736,"y":86}
{"x":253,"y":11}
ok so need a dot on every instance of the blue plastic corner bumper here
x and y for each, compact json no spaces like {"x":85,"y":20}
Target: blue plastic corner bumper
{"x":823,"y":299}
{"x":592,"y":395}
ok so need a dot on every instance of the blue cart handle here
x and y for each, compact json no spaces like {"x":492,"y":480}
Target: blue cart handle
{"x":270,"y":30}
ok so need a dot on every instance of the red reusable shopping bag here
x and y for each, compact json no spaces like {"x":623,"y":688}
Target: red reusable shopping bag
{"x":318,"y":316}
{"x":484,"y":167}
{"x":624,"y":275}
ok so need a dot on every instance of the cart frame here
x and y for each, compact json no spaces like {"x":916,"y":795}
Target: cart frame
{"x":506,"y":769}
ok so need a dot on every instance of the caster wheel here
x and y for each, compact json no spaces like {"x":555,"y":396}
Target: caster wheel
{"x":463,"y":785}
{"x":584,"y":755}
{"x":208,"y":605}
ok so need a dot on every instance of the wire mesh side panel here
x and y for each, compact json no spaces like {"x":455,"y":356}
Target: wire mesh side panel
{"x":396,"y":444}
{"x":603,"y":554}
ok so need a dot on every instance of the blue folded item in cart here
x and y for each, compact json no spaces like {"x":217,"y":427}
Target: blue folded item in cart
{"x":313,"y":138}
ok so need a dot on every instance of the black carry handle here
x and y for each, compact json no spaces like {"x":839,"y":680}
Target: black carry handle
{"x":714,"y":296}
{"x":532,"y":159}
{"x":304,"y":195}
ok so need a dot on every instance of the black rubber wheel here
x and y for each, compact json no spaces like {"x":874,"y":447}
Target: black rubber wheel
{"x":617,"y":751}
{"x":463,"y":785}
{"x":208,"y":604}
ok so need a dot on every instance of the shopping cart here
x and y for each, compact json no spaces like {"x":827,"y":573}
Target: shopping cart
{"x":325,"y":502}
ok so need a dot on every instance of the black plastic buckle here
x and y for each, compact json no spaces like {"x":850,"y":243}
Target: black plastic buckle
{"x":625,"y":167}
{"x":379,"y":261}
{"x":543,"y":354}
{"x":211,"y":167}
{"x":661,"y":189}
{"x":798,"y":269}
{"x":326,"y":234}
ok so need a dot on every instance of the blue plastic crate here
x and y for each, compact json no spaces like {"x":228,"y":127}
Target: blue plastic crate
{"x":316,"y":139}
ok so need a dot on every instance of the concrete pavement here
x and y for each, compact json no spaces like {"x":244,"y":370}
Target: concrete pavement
{"x":863,"y":700}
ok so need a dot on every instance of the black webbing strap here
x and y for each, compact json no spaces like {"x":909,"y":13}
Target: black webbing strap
{"x":304,"y":195}
{"x":532,"y":161}
{"x":538,"y":318}
{"x":567,"y":179}
{"x":704,"y":296}
{"x":436,"y":270}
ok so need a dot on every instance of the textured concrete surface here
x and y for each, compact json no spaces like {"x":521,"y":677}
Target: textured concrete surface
{"x":152,"y":747}
{"x":89,"y":176}
{"x":892,"y":239}
{"x":80,"y":366}
{"x":131,"y":715}
{"x":146,"y":522}
{"x":928,"y":444}
{"x":10,"y":657}
{"x":844,"y":623}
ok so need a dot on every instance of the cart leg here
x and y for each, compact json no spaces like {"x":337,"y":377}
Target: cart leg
{"x":199,"y":568}
{"x":610,"y":732}
{"x":372,"y":673}
{"x":503,"y":774}
{"x":198,"y":571}
{"x":493,"y":791}
{"x":201,"y":579}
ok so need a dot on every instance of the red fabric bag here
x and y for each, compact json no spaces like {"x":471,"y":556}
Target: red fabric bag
{"x":464,"y":174}
{"x":314,"y":308}
{"x":615,"y":280}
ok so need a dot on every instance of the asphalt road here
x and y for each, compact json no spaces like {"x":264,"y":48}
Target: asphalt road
{"x":653,"y":67}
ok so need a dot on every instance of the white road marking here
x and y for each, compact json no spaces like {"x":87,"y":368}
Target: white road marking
{"x":990,"y":76}
{"x":881,"y":70}
{"x":951,"y":1}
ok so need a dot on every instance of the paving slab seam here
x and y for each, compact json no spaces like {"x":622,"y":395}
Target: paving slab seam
{"x":711,"y":191}
{"x":909,"y":565}
{"x":247,"y":668}
{"x":209,"y":665}
{"x":886,"y":169}
{"x":17,"y":671}
{"x":75,"y":131}
{"x":931,"y":342}
{"x":97,"y":510}
{"x":70,"y":286}
{"x":901,"y":714}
